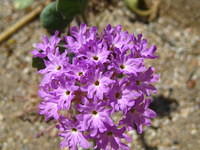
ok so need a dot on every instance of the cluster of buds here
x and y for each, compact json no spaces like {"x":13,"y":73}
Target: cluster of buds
{"x":96,"y":86}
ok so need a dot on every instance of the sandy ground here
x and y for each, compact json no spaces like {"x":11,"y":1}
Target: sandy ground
{"x":175,"y":32}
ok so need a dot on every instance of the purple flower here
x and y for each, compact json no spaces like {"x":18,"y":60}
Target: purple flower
{"x":139,"y":115}
{"x":140,"y":48}
{"x":49,"y":109}
{"x":91,"y":77}
{"x":99,"y":84}
{"x":122,"y":98}
{"x":49,"y":106}
{"x":55,"y":64}
{"x":111,"y":139}
{"x":47,"y":46}
{"x":79,"y":37}
{"x":65,"y":94}
{"x":94,"y":116}
{"x":126,"y":64}
{"x":143,"y":81}
{"x":80,"y":70}
{"x":73,"y":137}
{"x":96,"y":52}
{"x":117,"y":38}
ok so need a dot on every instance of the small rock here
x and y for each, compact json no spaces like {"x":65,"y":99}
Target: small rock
{"x":191,"y":84}
{"x":193,"y":131}
{"x":185,"y":112}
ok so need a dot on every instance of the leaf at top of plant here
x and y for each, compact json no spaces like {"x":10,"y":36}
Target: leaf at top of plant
{"x":71,"y":7}
{"x":133,"y":6}
{"x":21,"y":4}
{"x":52,"y":19}
{"x":132,"y":3}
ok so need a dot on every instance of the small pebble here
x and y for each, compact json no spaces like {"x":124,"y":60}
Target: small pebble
{"x":191,"y":84}
{"x":193,"y":131}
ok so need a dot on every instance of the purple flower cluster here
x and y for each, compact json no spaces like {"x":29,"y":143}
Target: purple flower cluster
{"x":96,"y":86}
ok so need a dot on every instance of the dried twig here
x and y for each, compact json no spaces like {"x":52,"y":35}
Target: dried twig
{"x":24,"y":112}
{"x":41,"y":133}
{"x":23,"y":21}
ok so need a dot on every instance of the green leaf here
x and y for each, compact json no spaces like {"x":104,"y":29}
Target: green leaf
{"x":71,"y":7}
{"x":52,"y":19}
{"x":132,"y":4}
{"x":21,"y":4}
{"x":38,"y":63}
